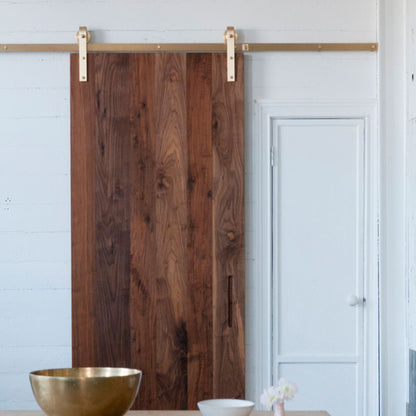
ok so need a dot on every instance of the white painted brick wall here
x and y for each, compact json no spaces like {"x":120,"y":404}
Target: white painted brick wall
{"x":35,"y":329}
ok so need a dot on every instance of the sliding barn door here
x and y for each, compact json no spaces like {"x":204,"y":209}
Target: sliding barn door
{"x":158,"y":223}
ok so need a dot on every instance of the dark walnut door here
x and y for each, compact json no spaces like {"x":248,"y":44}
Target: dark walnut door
{"x":158,"y":223}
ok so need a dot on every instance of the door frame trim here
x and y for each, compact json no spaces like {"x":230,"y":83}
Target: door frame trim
{"x":259,"y":275}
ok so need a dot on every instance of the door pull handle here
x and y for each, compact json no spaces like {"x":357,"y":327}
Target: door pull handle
{"x":230,"y":301}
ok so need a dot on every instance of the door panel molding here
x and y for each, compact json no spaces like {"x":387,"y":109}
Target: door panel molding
{"x":267,"y":112}
{"x":317,"y":256}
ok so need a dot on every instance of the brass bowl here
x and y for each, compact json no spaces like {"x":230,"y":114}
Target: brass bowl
{"x":86,"y":391}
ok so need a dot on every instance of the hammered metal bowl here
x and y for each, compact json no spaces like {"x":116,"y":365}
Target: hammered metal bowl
{"x":86,"y":391}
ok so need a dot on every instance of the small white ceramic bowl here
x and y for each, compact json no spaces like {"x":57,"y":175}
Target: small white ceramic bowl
{"x":226,"y":407}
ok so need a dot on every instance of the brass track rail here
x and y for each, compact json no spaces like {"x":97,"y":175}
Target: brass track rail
{"x":190,"y":47}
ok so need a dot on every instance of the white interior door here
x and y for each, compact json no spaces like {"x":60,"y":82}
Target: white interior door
{"x":318,"y":183}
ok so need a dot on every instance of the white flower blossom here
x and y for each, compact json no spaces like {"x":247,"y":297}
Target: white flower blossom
{"x":285,"y":390}
{"x":269,"y":396}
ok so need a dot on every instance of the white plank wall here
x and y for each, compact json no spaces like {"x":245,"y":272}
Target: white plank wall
{"x":331,"y":20}
{"x":35,"y":330}
{"x":35,"y":308}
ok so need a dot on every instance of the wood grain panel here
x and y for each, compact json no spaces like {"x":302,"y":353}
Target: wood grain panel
{"x":158,"y":223}
{"x":143,"y":291}
{"x":199,"y":299}
{"x":112,"y":210}
{"x":171,"y":224}
{"x":228,"y":214}
{"x":83,"y":216}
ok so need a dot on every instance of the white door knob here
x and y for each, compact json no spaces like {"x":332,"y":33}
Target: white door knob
{"x":353,"y":300}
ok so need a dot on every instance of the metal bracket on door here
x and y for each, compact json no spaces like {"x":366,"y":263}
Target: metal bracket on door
{"x":230,"y":37}
{"x":83,"y":37}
